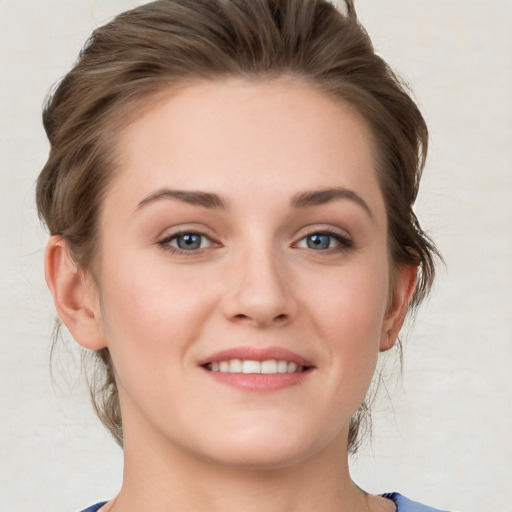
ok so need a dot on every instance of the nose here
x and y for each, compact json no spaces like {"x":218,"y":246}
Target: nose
{"x":260,"y":291}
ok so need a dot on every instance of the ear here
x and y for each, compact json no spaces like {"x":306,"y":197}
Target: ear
{"x":402,"y":293}
{"x":74,"y":294}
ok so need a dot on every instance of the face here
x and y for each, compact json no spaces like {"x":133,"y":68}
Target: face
{"x":244,"y":278}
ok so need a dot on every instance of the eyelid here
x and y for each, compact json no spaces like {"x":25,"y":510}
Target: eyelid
{"x":169,"y":235}
{"x":344,"y":240}
{"x":164,"y":241}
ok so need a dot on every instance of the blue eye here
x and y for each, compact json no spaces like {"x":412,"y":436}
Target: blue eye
{"x":322,"y":241}
{"x":186,"y":242}
{"x":319,"y":241}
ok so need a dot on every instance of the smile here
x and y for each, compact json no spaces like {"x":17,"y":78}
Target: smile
{"x":259,"y":370}
{"x":248,"y":366}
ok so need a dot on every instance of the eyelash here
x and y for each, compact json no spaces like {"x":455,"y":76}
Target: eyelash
{"x":165,"y":243}
{"x":344,"y":243}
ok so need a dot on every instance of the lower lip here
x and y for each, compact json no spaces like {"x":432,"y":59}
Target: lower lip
{"x":259,"y":382}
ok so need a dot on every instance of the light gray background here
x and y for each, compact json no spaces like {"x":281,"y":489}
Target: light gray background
{"x":444,"y":438}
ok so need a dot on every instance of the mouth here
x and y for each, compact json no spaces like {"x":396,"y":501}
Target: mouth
{"x":250,"y":366}
{"x":256,"y":369}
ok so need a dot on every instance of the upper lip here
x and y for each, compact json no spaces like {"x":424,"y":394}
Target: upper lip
{"x":256,"y":354}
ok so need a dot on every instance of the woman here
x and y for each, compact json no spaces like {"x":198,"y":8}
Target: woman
{"x":229,"y":193}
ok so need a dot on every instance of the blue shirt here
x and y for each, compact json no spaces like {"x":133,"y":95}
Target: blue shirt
{"x":402,"y":504}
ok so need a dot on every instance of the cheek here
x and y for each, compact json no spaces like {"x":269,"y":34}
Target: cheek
{"x":349,"y":316}
{"x":353,"y":301}
{"x":149,"y":310}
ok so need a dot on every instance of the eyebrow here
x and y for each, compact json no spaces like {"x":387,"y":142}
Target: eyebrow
{"x":215,"y":202}
{"x":205,"y":199}
{"x":319,"y":197}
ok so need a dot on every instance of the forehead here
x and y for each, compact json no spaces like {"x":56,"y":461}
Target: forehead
{"x":281,"y":136}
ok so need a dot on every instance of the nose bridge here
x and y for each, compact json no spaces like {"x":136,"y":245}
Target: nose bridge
{"x":260,"y":291}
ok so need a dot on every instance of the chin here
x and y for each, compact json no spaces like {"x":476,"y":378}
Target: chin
{"x":260,"y":447}
{"x":260,"y":458}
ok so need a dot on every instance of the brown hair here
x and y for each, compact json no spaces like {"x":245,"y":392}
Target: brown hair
{"x":170,"y":42}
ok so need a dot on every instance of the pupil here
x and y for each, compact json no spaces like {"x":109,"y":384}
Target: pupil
{"x":189,"y":242}
{"x":318,"y":242}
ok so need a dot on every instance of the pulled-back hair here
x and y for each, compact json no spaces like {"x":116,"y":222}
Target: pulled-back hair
{"x":145,"y":51}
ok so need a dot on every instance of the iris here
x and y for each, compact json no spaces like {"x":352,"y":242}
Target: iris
{"x":319,"y":241}
{"x":189,"y":241}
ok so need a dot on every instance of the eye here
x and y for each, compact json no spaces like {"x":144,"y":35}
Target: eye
{"x":185,"y":242}
{"x":325,"y":240}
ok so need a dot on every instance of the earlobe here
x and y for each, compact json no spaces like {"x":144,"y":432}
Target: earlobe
{"x":74,"y":295}
{"x":403,"y":291}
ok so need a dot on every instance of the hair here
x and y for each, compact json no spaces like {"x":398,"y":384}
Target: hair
{"x":169,"y":43}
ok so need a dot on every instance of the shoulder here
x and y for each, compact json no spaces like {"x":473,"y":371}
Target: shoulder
{"x":404,"y":504}
{"x":95,"y":508}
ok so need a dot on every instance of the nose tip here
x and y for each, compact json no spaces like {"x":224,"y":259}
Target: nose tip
{"x":260,"y":294}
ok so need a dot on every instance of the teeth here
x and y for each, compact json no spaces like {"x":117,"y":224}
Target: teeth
{"x":235,"y":366}
{"x":250,"y":367}
{"x":292,"y":367}
{"x":282,"y":366}
{"x":268,"y":367}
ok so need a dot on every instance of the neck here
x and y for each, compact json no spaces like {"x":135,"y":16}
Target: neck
{"x":159,"y":477}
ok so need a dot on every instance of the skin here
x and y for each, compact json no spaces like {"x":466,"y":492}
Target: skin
{"x":192,"y":443}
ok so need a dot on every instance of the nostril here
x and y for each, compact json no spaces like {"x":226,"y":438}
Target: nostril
{"x":283,"y":317}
